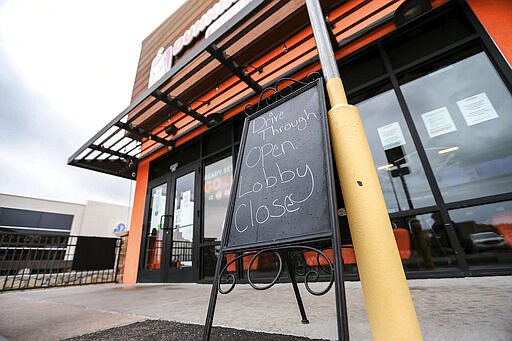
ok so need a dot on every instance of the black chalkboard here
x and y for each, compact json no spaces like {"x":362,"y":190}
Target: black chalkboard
{"x":282,"y":191}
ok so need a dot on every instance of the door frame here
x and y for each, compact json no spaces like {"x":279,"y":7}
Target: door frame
{"x":190,"y":274}
{"x":151,"y":275}
{"x":165,"y":273}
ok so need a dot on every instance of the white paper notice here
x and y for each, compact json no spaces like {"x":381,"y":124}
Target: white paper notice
{"x":477,"y":109}
{"x":187,"y":216}
{"x":391,"y":135}
{"x":158,"y":208}
{"x":177,"y":218}
{"x":438,"y":122}
{"x":186,"y":199}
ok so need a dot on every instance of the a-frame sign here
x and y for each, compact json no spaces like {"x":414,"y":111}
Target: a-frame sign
{"x":283,"y":195}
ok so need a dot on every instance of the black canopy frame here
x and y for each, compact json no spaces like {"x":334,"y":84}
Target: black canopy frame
{"x":119,"y":146}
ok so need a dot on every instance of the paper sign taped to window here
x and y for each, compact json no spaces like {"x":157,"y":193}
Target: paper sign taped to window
{"x":391,"y":135}
{"x":438,"y":122}
{"x":477,"y":109}
{"x":186,"y":199}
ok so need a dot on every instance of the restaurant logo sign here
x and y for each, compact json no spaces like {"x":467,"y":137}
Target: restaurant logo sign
{"x":212,"y":20}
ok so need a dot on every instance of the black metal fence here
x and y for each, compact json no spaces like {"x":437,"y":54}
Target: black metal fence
{"x":181,"y":253}
{"x":42,"y":261}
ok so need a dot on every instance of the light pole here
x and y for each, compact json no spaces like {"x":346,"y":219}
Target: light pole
{"x":388,"y":301}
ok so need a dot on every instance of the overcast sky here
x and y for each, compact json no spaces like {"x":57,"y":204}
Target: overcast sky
{"x":66,"y":70}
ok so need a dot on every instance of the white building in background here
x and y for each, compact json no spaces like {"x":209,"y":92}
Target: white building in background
{"x":41,"y":216}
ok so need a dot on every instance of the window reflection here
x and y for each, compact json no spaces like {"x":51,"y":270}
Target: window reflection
{"x":423,"y":242}
{"x":485,"y":233}
{"x":209,"y":255}
{"x":399,"y":169}
{"x":463,"y":115}
{"x":265,"y":266}
{"x":218,"y":177}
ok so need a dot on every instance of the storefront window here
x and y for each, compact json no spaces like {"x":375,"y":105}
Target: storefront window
{"x":485,"y":233}
{"x":264,"y":267}
{"x":218,"y":177}
{"x":463,"y":114}
{"x":209,"y":255}
{"x":423,"y":242}
{"x":155,"y":233}
{"x":399,"y":169}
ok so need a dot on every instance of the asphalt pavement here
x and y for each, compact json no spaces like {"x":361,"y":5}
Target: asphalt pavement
{"x":170,"y":331}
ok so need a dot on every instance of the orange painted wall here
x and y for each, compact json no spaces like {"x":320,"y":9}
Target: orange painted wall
{"x":134,"y":237}
{"x":496,"y":17}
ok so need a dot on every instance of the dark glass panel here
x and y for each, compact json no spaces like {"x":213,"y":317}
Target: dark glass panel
{"x":485,"y":233}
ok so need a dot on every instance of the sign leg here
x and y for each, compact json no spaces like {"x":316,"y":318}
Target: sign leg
{"x":339,"y":290}
{"x":213,"y":298}
{"x":296,"y":288}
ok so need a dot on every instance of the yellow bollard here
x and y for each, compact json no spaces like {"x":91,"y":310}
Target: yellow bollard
{"x":388,"y":301}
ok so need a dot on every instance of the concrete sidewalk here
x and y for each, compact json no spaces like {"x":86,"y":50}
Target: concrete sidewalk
{"x":448,"y":309}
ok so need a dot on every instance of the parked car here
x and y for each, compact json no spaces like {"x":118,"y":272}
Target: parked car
{"x":482,"y":241}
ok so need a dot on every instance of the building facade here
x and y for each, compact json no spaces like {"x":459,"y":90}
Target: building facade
{"x":432,"y":81}
{"x":25,"y":215}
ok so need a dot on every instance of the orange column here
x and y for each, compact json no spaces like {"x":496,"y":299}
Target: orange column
{"x":137,"y":221}
{"x":496,"y":17}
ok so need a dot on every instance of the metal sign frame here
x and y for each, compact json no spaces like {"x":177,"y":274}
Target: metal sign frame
{"x":286,"y":248}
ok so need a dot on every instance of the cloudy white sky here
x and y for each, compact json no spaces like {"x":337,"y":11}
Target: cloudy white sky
{"x":66,"y":69}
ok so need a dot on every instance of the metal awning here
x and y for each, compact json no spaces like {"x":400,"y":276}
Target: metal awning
{"x":215,"y":80}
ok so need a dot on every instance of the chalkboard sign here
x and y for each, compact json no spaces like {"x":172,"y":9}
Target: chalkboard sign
{"x":282,"y":191}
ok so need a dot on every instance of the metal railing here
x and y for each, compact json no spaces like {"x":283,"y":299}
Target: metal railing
{"x":29,"y":261}
{"x":181,"y":253}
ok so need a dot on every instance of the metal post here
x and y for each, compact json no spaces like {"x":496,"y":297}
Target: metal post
{"x":291,"y":273}
{"x":214,"y":293}
{"x":388,"y":301}
{"x":323,"y":44}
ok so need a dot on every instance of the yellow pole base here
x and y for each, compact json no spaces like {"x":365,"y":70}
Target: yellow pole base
{"x":388,"y":301}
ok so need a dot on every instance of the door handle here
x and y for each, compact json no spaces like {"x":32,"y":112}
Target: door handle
{"x":162,"y":224}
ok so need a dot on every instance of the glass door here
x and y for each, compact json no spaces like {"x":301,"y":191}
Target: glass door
{"x":154,"y":230}
{"x":182,"y":265}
